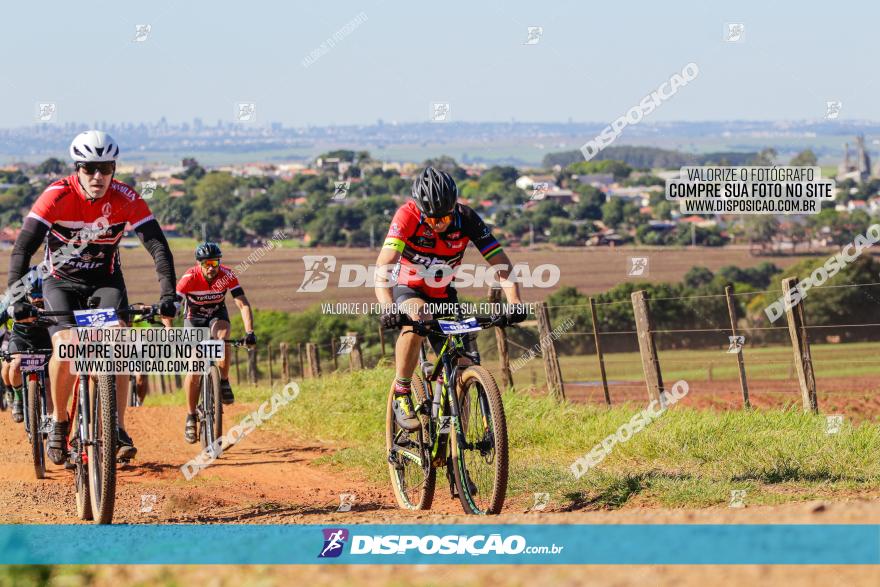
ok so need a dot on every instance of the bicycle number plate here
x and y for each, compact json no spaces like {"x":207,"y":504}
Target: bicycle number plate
{"x":97,"y":318}
{"x":455,"y":327}
{"x":31,"y":363}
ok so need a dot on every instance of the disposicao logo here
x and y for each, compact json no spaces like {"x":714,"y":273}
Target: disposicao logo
{"x":334,"y":541}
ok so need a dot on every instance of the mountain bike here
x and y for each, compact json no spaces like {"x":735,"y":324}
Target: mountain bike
{"x":209,"y":410}
{"x":463,"y":425}
{"x":94,"y":433}
{"x":37,"y":423}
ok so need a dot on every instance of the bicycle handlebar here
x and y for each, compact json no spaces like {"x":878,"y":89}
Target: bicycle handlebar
{"x":433,"y":325}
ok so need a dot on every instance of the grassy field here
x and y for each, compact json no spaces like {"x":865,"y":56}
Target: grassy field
{"x":686,"y":458}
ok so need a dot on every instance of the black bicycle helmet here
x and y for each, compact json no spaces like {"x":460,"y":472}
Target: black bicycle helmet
{"x":434,"y":192}
{"x":208,"y":250}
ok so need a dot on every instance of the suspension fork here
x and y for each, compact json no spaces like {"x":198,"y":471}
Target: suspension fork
{"x":82,"y":408}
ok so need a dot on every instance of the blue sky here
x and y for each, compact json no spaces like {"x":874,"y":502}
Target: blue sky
{"x":594,"y":61}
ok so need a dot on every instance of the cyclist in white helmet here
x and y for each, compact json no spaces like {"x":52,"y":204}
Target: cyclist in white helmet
{"x":90,"y":198}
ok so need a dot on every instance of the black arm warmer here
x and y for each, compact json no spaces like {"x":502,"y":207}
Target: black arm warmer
{"x":154,"y":241}
{"x":29,"y":240}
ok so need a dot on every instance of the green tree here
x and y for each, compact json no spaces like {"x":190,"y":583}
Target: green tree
{"x":51,"y":166}
{"x":760,"y":229}
{"x":262,"y":223}
{"x":447,"y":164}
{"x":766,"y":157}
{"x":697,"y":276}
{"x":805,"y":158}
{"x":215,"y":195}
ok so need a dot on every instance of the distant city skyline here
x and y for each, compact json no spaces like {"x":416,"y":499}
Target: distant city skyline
{"x":305,"y":65}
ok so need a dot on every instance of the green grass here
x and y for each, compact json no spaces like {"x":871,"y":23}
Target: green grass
{"x":686,"y":458}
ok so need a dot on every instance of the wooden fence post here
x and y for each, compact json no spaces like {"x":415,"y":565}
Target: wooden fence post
{"x":548,"y":352}
{"x":269,"y":357}
{"x":800,"y":346}
{"x":501,"y":341}
{"x":599,"y":355}
{"x":382,"y":340}
{"x":285,"y":361}
{"x":647,"y":348}
{"x":302,"y":359}
{"x":743,"y":383}
{"x":355,"y":359}
{"x":162,"y":384}
{"x":235,"y":362}
{"x":312,"y":359}
{"x":252,"y":366}
{"x":333,"y":351}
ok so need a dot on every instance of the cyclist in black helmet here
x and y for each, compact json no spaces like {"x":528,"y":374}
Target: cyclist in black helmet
{"x":203,"y":289}
{"x":431,"y":229}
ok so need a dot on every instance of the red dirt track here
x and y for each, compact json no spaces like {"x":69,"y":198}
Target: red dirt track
{"x":273,"y":478}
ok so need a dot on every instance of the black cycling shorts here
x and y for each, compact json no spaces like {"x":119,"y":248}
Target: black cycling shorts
{"x":402,"y":293}
{"x":65,"y":296}
{"x":205,"y":321}
{"x":27,"y":338}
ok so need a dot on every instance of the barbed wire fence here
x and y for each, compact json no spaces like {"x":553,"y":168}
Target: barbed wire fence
{"x":613,"y":351}
{"x":619,"y":350}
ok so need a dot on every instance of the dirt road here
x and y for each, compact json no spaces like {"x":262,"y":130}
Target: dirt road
{"x":277,"y":478}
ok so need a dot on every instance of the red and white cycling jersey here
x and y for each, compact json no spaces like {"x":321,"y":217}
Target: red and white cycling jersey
{"x":204,"y":299}
{"x":421,"y":248}
{"x":66,"y":209}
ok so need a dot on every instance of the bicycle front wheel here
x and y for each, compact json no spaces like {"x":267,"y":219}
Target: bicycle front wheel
{"x":212,"y":410}
{"x":413,"y":477}
{"x":34,"y":422}
{"x":102,"y":449}
{"x":479,"y":444}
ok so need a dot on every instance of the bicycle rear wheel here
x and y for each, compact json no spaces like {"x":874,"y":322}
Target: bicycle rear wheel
{"x":479,"y":444}
{"x":413,"y":477}
{"x":102,"y":450}
{"x":34,"y":421}
{"x":211,"y":416}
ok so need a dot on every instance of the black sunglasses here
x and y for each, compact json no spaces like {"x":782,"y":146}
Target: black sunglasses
{"x":105,"y":167}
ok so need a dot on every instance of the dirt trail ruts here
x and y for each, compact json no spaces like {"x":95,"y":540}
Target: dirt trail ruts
{"x":273,"y":478}
{"x":269,"y":477}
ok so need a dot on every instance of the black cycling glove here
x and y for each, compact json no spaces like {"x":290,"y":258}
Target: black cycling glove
{"x":250,"y":339}
{"x":168,"y":306}
{"x":391,"y":320}
{"x":23,"y":310}
{"x":517,"y":313}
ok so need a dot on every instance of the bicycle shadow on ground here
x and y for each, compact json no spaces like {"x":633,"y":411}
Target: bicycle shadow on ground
{"x":140,"y":468}
{"x":275,"y":510}
{"x":233,"y":456}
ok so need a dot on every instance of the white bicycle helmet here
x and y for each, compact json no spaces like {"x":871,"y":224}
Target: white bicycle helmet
{"x":94,"y":146}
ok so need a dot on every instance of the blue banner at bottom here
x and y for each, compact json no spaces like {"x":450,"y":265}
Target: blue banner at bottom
{"x":441,"y":544}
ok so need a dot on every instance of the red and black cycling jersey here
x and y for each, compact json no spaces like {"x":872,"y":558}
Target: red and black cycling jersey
{"x":65,"y":209}
{"x":204,"y":299}
{"x":420,"y":246}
